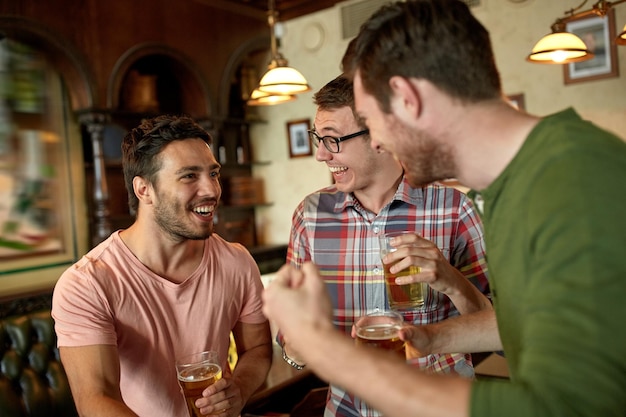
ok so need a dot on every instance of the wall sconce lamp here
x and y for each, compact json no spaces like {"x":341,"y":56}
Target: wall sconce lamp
{"x":562,"y":47}
{"x":280,"y":82}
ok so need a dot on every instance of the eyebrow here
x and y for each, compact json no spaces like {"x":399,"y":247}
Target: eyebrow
{"x":197,"y":168}
{"x":328,"y":130}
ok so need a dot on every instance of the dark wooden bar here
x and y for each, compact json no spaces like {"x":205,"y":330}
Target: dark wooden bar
{"x":284,"y":389}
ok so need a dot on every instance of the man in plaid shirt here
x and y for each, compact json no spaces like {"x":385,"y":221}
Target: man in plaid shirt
{"x":337,"y":228}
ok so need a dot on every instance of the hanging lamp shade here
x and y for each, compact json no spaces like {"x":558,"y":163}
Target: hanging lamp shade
{"x":621,"y":38}
{"x":560,"y":48}
{"x":260,"y":98}
{"x":280,"y":82}
{"x":283,"y":80}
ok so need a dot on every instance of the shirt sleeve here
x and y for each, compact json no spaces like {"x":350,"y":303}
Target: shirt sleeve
{"x":468,"y":255}
{"x":82,"y":316}
{"x":252,"y":310}
{"x":297,"y":250}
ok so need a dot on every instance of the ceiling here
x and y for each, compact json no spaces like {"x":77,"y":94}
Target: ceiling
{"x":287,"y":9}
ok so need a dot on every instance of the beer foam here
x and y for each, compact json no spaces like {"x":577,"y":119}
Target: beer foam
{"x":200,"y":373}
{"x":383,"y":331}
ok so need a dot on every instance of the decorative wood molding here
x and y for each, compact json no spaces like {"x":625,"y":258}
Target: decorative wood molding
{"x":60,"y":53}
{"x":193,"y":83}
{"x":94,"y":122}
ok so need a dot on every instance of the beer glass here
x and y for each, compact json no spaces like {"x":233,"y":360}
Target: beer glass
{"x":401,"y":297}
{"x":380,"y":330}
{"x":196,"y":372}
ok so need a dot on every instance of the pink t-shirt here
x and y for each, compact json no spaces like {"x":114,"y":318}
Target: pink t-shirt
{"x":110,"y":298}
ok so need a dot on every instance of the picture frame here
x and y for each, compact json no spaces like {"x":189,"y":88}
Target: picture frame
{"x":517,"y":101}
{"x":298,"y":138}
{"x":598,"y":34}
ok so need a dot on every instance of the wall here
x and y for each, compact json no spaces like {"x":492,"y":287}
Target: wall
{"x":514,"y":28}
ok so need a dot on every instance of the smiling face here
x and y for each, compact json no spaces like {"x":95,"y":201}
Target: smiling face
{"x":187,"y":190}
{"x":355,"y":166}
{"x":423,"y":157}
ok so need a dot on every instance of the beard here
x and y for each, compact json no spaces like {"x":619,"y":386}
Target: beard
{"x":171,"y":217}
{"x":424,"y":159}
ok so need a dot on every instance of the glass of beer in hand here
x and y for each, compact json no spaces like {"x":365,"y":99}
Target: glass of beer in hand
{"x":380,"y":330}
{"x":401,"y":297}
{"x":196,"y":372}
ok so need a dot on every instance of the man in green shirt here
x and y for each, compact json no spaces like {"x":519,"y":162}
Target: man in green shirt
{"x":551,"y":192}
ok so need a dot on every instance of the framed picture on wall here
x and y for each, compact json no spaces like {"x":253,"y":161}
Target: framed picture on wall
{"x":598,"y":34}
{"x":298,"y":137}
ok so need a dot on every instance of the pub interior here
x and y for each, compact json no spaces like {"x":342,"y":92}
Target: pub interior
{"x":92,"y":70}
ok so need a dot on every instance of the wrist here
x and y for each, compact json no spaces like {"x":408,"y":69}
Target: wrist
{"x":292,"y":362}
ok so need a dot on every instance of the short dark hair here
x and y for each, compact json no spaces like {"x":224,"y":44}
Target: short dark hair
{"x":142,"y":145}
{"x":336,"y":94}
{"x":437,"y":40}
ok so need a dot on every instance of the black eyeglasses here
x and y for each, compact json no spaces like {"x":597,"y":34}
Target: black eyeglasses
{"x":332,"y":143}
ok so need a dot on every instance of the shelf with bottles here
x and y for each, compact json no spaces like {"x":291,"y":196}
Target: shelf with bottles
{"x":232,"y":143}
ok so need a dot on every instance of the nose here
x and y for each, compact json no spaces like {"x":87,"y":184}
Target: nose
{"x":322,"y":154}
{"x":210,"y":186}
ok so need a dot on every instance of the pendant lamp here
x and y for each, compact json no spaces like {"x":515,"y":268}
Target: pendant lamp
{"x":259,"y":98}
{"x":280,"y":79}
{"x":562,"y":47}
{"x":559,"y":47}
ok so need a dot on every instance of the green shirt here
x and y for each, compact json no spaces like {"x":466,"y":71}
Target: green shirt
{"x":555,"y":234}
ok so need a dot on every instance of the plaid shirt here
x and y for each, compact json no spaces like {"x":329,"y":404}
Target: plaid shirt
{"x":332,"y":229}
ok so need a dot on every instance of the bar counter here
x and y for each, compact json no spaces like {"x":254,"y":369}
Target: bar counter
{"x":284,"y":388}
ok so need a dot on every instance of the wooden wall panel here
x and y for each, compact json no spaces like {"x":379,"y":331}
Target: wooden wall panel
{"x":103,"y":31}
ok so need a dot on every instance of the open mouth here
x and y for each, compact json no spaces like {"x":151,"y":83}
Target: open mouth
{"x":205,"y":210}
{"x":337,"y":170}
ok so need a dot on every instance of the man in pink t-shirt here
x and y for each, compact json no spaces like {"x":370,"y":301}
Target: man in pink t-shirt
{"x":163,"y":288}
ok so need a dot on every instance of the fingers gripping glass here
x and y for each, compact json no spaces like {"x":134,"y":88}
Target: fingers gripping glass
{"x":332,"y":143}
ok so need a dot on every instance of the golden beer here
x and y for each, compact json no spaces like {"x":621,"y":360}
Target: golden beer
{"x":403,"y":297}
{"x":381,"y":336}
{"x":195,"y":373}
{"x":194,"y":380}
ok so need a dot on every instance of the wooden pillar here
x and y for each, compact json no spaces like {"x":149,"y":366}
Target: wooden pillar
{"x":94,"y":122}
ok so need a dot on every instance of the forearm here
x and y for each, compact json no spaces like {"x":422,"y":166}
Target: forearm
{"x":467,"y":298}
{"x":384,"y":381}
{"x":102,"y":406}
{"x":93,"y":374}
{"x":252,"y":368}
{"x":292,"y":354}
{"x":475,"y":332}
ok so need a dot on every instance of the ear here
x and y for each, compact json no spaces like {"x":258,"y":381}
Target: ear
{"x":142,"y":189}
{"x":406,"y":101}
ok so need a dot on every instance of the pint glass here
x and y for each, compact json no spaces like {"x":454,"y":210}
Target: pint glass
{"x":401,"y":297}
{"x":196,"y":372}
{"x":380,"y":330}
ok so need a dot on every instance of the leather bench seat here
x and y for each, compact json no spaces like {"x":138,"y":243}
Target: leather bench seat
{"x":32,"y":379}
